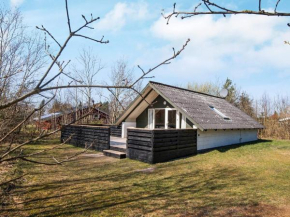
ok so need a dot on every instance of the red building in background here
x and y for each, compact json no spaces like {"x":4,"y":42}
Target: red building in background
{"x":55,"y":120}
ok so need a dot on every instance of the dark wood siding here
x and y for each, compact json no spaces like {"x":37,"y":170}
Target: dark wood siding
{"x":116,"y":131}
{"x":142,"y":119}
{"x":84,"y":136}
{"x":139,"y":145}
{"x":154,"y":146}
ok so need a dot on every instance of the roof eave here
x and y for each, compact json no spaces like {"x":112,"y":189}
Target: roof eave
{"x":123,"y":115}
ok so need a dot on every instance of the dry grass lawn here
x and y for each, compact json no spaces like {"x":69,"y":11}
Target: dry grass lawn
{"x":248,"y":180}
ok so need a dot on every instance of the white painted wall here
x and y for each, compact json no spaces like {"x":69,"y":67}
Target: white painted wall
{"x":125,"y":125}
{"x":212,"y":139}
{"x":183,"y":122}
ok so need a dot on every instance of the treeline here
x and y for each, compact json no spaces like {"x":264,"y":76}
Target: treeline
{"x":273,"y":113}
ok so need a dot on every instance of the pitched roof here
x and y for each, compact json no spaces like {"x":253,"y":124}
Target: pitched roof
{"x":48,"y":116}
{"x":206,"y":111}
{"x":66,"y":112}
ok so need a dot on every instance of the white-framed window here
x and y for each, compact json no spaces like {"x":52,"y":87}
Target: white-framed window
{"x":166,"y":118}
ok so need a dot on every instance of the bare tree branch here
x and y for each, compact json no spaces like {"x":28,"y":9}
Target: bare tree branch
{"x":112,"y":92}
{"x":45,"y":30}
{"x":39,"y":90}
{"x":39,"y":85}
{"x":39,"y":152}
{"x":223,"y":11}
{"x":67,"y":15}
{"x":197,"y":7}
{"x":85,"y":25}
{"x":46,"y":83}
{"x":41,"y":136}
{"x":52,"y":64}
{"x":61,"y":69}
{"x":160,"y":64}
{"x":12,"y":180}
{"x":22,"y":122}
{"x":99,"y":41}
{"x":275,"y":11}
{"x":57,"y":162}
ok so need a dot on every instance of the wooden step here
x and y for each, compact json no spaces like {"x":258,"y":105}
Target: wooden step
{"x":115,"y":154}
{"x":120,"y":148}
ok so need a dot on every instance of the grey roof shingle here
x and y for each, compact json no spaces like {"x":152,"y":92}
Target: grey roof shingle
{"x":196,"y":106}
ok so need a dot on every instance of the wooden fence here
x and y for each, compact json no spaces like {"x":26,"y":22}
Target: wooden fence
{"x":98,"y":137}
{"x":116,"y":131}
{"x":154,"y":146}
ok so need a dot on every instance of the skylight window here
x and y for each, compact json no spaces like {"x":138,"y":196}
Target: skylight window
{"x":219,"y":113}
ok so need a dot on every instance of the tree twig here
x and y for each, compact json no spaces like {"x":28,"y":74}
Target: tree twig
{"x":162,"y":63}
{"x":41,"y":136}
{"x":224,"y":11}
{"x":45,"y":30}
{"x":22,"y":122}
{"x":99,"y":41}
{"x":12,"y":180}
{"x":67,"y":15}
{"x":278,"y":1}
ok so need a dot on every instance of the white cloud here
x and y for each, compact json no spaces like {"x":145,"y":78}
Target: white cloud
{"x":242,"y":28}
{"x":121,"y":14}
{"x":16,"y":3}
{"x":241,"y":47}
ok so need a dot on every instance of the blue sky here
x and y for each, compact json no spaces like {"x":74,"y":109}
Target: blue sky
{"x":248,"y":49}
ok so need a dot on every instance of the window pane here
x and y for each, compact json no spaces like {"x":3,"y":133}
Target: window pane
{"x":160,"y":118}
{"x":172,"y":119}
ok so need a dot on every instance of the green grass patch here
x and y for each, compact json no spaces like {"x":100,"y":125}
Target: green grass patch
{"x":248,"y":180}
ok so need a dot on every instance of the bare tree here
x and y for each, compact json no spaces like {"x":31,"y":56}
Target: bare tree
{"x":46,"y":84}
{"x":89,"y":66}
{"x":48,"y":81}
{"x":119,"y":99}
{"x":275,"y":116}
{"x":212,"y":88}
{"x":21,"y":58}
{"x":282,"y":106}
{"x":265,"y":106}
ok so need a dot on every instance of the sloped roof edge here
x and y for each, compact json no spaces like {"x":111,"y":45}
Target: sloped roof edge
{"x":123,"y":115}
{"x":180,"y":88}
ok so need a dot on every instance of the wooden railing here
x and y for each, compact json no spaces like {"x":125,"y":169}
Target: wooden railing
{"x":98,"y":137}
{"x":160,"y":145}
{"x":116,"y":131}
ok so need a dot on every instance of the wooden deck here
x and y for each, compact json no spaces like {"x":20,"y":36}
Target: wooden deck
{"x":118,"y":142}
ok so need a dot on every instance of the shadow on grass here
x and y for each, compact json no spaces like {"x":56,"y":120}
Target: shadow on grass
{"x":223,"y":149}
{"x":101,"y":187}
{"x":232,"y":147}
{"x":197,"y":191}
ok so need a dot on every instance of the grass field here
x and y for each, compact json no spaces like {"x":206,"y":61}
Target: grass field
{"x":248,"y":180}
